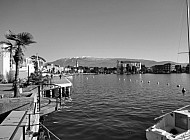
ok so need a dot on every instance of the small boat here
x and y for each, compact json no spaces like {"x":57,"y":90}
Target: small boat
{"x":174,"y":125}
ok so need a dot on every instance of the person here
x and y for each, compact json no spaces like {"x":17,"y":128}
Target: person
{"x":51,"y":76}
{"x":183,"y":90}
{"x":60,"y":76}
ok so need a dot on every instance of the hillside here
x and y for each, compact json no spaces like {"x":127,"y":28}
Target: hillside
{"x":104,"y":62}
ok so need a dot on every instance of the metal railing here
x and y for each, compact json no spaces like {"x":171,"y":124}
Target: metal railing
{"x":12,"y":137}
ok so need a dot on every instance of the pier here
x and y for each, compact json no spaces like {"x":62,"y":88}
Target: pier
{"x":20,"y":117}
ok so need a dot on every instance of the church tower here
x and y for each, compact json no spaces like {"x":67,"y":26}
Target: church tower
{"x":77,"y":64}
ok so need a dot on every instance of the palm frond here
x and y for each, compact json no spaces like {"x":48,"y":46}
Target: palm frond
{"x":11,"y":36}
{"x":33,"y":56}
{"x":42,"y":59}
{"x":39,"y":58}
{"x":25,"y":38}
{"x":29,"y":42}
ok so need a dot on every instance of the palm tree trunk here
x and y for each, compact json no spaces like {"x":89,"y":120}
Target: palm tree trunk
{"x":16,"y":85}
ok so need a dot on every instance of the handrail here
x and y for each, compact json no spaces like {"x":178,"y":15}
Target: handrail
{"x":171,"y":112}
{"x":51,"y":84}
{"x":49,"y":131}
{"x":21,"y":120}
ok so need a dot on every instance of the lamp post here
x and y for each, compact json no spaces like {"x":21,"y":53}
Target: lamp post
{"x":28,"y":73}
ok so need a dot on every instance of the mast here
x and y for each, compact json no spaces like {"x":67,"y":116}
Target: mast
{"x":187,"y":4}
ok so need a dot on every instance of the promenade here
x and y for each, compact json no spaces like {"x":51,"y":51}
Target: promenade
{"x":20,"y":117}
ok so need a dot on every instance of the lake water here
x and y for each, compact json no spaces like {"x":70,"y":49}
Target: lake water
{"x":117,"y":107}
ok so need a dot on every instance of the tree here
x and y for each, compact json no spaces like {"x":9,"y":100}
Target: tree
{"x":35,"y":60}
{"x":21,"y":41}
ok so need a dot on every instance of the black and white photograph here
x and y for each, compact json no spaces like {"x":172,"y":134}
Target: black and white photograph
{"x":94,"y":70}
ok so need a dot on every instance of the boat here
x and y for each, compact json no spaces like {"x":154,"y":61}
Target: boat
{"x":174,"y":125}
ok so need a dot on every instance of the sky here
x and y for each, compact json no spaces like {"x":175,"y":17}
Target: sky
{"x":136,"y":29}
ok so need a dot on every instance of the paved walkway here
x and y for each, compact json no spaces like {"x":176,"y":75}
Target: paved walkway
{"x":6,"y":94}
{"x":57,"y":80}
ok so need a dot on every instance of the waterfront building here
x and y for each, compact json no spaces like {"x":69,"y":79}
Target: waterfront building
{"x":4,"y":62}
{"x":53,"y":68}
{"x":40,"y":63}
{"x":128,"y":67}
{"x":144,"y":69}
{"x":168,"y":68}
{"x":80,"y":69}
{"x":26,"y":68}
{"x":68,"y":69}
{"x":49,"y":67}
{"x":57,"y":69}
{"x":165,"y":68}
{"x":158,"y":69}
{"x":178,"y":68}
{"x":7,"y":67}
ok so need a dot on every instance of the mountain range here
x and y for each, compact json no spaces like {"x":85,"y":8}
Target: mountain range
{"x":105,"y":62}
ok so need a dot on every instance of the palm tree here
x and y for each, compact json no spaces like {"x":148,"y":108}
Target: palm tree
{"x":21,"y":41}
{"x":35,"y":60}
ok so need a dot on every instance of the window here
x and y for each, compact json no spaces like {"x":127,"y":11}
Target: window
{"x":181,"y":121}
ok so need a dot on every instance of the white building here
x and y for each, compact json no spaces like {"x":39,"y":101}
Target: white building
{"x":4,"y":62}
{"x":128,"y":66}
{"x":27,"y":67}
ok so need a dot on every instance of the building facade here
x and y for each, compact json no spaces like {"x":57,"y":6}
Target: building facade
{"x":128,"y":67}
{"x":7,"y":70}
{"x":4,"y":62}
{"x":165,"y":68}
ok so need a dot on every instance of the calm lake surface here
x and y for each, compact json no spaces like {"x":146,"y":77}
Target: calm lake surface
{"x":117,"y":107}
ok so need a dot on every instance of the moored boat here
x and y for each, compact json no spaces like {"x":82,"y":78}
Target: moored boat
{"x":174,"y":125}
